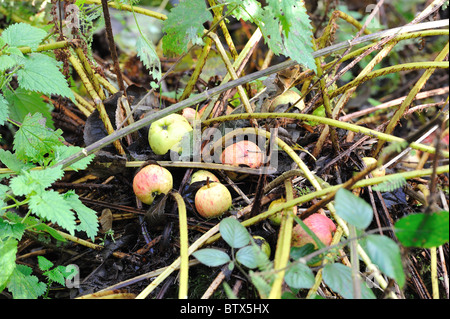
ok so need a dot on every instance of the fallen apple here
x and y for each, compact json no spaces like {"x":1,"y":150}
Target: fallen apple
{"x":212,"y":200}
{"x":202,"y":175}
{"x":165,"y":134}
{"x":151,"y":181}
{"x":320,"y":225}
{"x":275,"y":219}
{"x":242,"y":153}
{"x":190,"y":114}
{"x":378,"y":172}
{"x":287,"y":99}
{"x":263,"y":244}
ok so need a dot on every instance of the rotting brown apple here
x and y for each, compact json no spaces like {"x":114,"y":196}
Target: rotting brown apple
{"x":151,"y":181}
{"x":320,"y":225}
{"x":203,"y":175}
{"x":212,"y":200}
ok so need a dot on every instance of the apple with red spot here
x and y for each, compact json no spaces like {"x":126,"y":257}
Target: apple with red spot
{"x":320,"y":225}
{"x":212,"y":200}
{"x":151,"y":181}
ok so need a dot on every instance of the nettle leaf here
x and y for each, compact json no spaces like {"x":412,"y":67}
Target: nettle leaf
{"x":423,"y":230}
{"x":44,"y":263}
{"x":354,"y":210}
{"x":147,"y":54}
{"x":244,"y":9}
{"x":211,"y":257}
{"x":6,"y":62}
{"x":385,"y":253}
{"x":23,"y":285}
{"x":62,"y":152}
{"x":12,"y":162}
{"x":186,"y":16}
{"x":234,"y":233}
{"x":23,"y":34}
{"x":295,"y":39}
{"x":11,"y":229}
{"x":40,"y":73}
{"x":299,"y":276}
{"x":4,"y":109}
{"x":8,"y":251}
{"x":52,"y":206}
{"x":339,"y":278}
{"x":33,"y":141}
{"x":35,"y":180}
{"x":88,"y":218}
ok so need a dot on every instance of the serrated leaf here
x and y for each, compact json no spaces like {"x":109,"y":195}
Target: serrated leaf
{"x":339,"y":278}
{"x":4,"y":110}
{"x":423,"y":230}
{"x":51,"y":206}
{"x":23,"y":285}
{"x":244,"y":9}
{"x":385,"y":253}
{"x":23,"y":34}
{"x":33,"y":141}
{"x":211,"y":257}
{"x":299,"y":252}
{"x":12,"y":162}
{"x":299,"y":276}
{"x":62,"y":152}
{"x":354,"y":210}
{"x":187,"y":15}
{"x":40,"y":73}
{"x":234,"y":233}
{"x":8,"y":251}
{"x":251,"y":256}
{"x":11,"y":229}
{"x":57,"y":275}
{"x":22,"y":102}
{"x":35,"y":180}
{"x":44,"y":263}
{"x":147,"y":54}
{"x":88,"y":217}
{"x":6,"y":62}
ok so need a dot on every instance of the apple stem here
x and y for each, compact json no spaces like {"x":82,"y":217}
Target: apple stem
{"x":207,"y":181}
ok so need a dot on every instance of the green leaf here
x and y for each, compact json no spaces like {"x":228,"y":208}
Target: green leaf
{"x":11,"y":229}
{"x":211,"y":257}
{"x":21,"y":102}
{"x":24,"y":286}
{"x":8,"y":251}
{"x":44,"y":263}
{"x":234,"y":233}
{"x":34,"y":141}
{"x":35,"y":180}
{"x":339,"y":278}
{"x":40,"y":73}
{"x":147,"y":54}
{"x":184,"y":24}
{"x":423,"y":230}
{"x":6,"y":62}
{"x":51,"y":206}
{"x":12,"y":162}
{"x":251,"y":256}
{"x":299,"y":252}
{"x":245,"y":10}
{"x":385,"y":253}
{"x":62,"y":152}
{"x":23,"y":34}
{"x":4,"y":110}
{"x":352,"y":209}
{"x":299,"y":276}
{"x":88,"y":218}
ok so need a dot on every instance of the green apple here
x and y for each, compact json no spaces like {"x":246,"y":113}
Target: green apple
{"x":165,"y":134}
{"x":212,"y":200}
{"x":202,"y":175}
{"x":151,"y":181}
{"x":275,"y":219}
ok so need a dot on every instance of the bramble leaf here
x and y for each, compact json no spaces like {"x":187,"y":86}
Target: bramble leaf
{"x":23,"y":34}
{"x":234,"y":233}
{"x":299,"y":276}
{"x":186,"y":16}
{"x":211,"y":257}
{"x":352,"y":209}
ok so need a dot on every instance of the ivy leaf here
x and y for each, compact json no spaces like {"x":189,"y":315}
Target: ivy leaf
{"x":51,"y":206}
{"x":23,"y":34}
{"x":385,"y":253}
{"x":147,"y":54}
{"x":33,"y":141}
{"x":23,"y":285}
{"x":211,"y":257}
{"x":339,"y":278}
{"x":88,"y":218}
{"x":234,"y":233}
{"x":354,"y":210}
{"x":40,"y":73}
{"x":186,"y":16}
{"x":423,"y":230}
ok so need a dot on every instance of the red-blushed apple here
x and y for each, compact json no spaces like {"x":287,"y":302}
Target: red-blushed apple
{"x":165,"y":134}
{"x":203,"y":175}
{"x":212,"y":200}
{"x":151,"y":181}
{"x":242,"y":153}
{"x":320,"y":225}
{"x":190,"y":114}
